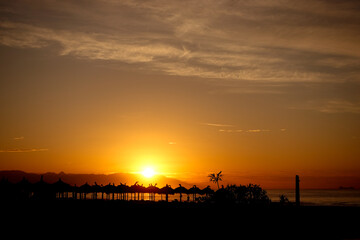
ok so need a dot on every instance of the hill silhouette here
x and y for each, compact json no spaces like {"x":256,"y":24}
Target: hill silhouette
{"x":15,"y":176}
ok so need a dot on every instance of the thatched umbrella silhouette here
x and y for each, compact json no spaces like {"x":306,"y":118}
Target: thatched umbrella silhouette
{"x":61,"y":188}
{"x":135,"y":189}
{"x":96,"y":189}
{"x":207,"y":191}
{"x":152,"y":190}
{"x":113,"y":190}
{"x":123,"y":189}
{"x":41,"y":189}
{"x":180,"y":190}
{"x":142,"y":190}
{"x":23,"y":188}
{"x":75,"y":190}
{"x":110,"y":189}
{"x":84,"y":189}
{"x":166,"y":190}
{"x":194,"y":190}
{"x":6,"y":189}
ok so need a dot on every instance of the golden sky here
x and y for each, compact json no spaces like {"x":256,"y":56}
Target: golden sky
{"x":258,"y":89}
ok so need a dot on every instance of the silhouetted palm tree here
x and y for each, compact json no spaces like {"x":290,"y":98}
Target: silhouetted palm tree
{"x":216,"y":177}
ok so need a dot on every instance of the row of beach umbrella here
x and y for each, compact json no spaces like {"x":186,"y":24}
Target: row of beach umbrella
{"x":60,"y":189}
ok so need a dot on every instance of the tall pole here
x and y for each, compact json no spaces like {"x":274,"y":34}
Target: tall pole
{"x":297,"y":191}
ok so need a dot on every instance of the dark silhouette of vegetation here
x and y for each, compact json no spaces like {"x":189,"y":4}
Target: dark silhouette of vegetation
{"x":216,"y":177}
{"x":284,"y":200}
{"x":250,"y":194}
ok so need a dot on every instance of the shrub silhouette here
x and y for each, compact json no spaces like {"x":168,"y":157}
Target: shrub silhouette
{"x":251,"y":194}
{"x":284,"y":200}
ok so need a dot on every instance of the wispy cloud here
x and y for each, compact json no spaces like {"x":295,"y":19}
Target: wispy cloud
{"x":330,"y":106}
{"x":84,"y":45}
{"x":231,"y":130}
{"x":276,"y":41}
{"x":247,"y":131}
{"x":19,"y":138}
{"x":227,"y":128}
{"x":253,"y":131}
{"x":340,"y":106}
{"x":217,"y":125}
{"x":23,"y":150}
{"x":257,"y":130}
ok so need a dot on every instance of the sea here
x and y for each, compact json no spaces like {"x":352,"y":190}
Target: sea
{"x":321,"y":197}
{"x":336,"y":197}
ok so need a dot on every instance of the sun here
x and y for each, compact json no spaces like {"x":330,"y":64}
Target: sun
{"x":148,"y":172}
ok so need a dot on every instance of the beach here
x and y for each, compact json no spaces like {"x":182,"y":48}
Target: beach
{"x":332,"y":222}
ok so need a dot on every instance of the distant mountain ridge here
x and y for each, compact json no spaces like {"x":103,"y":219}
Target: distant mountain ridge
{"x":15,"y":176}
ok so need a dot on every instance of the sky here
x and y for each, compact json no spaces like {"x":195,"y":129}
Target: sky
{"x":261,"y":90}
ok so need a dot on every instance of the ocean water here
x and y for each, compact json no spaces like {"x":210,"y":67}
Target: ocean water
{"x":307,"y":197}
{"x":341,"y":197}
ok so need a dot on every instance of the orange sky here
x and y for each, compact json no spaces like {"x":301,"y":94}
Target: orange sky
{"x":261,"y":91}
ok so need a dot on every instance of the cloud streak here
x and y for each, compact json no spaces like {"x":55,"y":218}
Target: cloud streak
{"x":340,"y":106}
{"x":330,"y":106}
{"x":217,"y":125}
{"x":19,"y":138}
{"x":23,"y":150}
{"x":83,"y":45}
{"x":247,"y":131}
{"x":231,"y":130}
{"x":279,"y":41}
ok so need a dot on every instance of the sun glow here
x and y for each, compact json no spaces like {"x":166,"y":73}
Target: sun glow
{"x":148,"y":172}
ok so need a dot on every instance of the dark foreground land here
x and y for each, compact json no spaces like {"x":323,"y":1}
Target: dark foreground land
{"x":177,"y":220}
